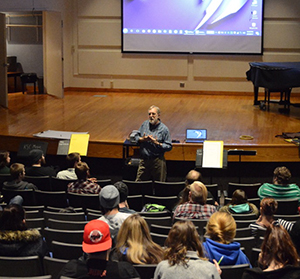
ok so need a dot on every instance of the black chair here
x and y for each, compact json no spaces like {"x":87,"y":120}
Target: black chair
{"x":287,"y":206}
{"x":250,"y":189}
{"x":250,"y":216}
{"x":135,"y":202}
{"x":30,"y":277}
{"x":84,"y":200}
{"x":40,"y":208}
{"x":53,"y":266}
{"x":160,"y":229}
{"x":139,"y":188}
{"x":164,"y":213}
{"x":146,"y":271}
{"x":79,"y":216}
{"x":42,"y":182}
{"x":21,"y":266}
{"x":33,"y":214}
{"x":164,"y":189}
{"x":48,"y":198}
{"x":168,"y":202}
{"x":164,"y":221}
{"x":213,"y":189}
{"x":243,"y":232}
{"x":92,"y":216}
{"x":66,"y":251}
{"x":66,"y":225}
{"x":74,"y":237}
{"x":199,"y":223}
{"x":37,"y":223}
{"x":248,"y":243}
{"x":59,"y":209}
{"x":255,"y":201}
{"x":233,"y":271}
{"x":291,"y":218}
{"x":59,"y":184}
{"x":104,"y":182}
{"x":244,"y":223}
{"x":4,"y":178}
{"x":27,"y":195}
{"x":159,"y":238}
{"x":254,"y":256}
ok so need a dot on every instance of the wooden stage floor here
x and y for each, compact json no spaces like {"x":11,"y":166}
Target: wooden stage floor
{"x":109,"y":117}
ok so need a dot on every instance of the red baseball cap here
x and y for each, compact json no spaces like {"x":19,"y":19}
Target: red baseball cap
{"x":96,"y":237}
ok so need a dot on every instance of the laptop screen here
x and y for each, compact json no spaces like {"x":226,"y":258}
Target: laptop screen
{"x":196,"y":134}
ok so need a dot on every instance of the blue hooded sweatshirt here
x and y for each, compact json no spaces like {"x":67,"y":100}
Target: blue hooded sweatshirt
{"x":232,"y":253}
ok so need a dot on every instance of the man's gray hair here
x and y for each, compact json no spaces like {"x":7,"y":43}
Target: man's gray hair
{"x":156,"y":107}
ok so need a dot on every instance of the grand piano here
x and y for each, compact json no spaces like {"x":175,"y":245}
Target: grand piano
{"x":274,"y":77}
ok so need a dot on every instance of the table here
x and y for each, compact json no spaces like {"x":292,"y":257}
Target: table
{"x":274,"y":77}
{"x":14,"y":75}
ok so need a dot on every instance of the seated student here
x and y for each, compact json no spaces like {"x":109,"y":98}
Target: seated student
{"x":123,"y":190}
{"x":268,"y":207}
{"x":17,"y":172}
{"x":278,"y":257}
{"x":15,"y":239}
{"x":280,"y":188}
{"x":4,"y":162}
{"x":97,"y":244}
{"x":134,"y":243}
{"x":109,"y":203}
{"x":83,"y":185}
{"x":195,"y":207}
{"x":72,"y":160}
{"x":220,"y":232}
{"x":184,"y":256}
{"x":239,"y":204}
{"x":38,"y":162}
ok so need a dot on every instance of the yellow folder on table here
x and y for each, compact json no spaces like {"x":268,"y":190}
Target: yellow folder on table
{"x":79,"y":143}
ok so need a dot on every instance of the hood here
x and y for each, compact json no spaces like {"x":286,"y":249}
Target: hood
{"x":215,"y":250}
{"x":240,"y":208}
{"x":31,"y":235}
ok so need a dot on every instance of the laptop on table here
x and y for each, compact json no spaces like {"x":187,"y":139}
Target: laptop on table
{"x":195,"y":135}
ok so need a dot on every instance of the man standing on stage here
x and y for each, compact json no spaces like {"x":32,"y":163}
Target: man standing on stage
{"x":154,"y":139}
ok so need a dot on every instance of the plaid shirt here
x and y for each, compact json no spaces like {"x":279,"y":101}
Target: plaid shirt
{"x":84,"y":187}
{"x":192,"y":210}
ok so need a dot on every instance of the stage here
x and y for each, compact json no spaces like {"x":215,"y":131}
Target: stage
{"x":109,"y":117}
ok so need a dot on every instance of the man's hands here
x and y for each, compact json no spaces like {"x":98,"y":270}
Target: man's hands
{"x":149,"y":138}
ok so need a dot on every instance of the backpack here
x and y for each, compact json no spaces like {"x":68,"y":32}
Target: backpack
{"x":152,"y":207}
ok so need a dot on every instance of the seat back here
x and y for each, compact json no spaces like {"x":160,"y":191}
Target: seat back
{"x":243,"y":232}
{"x":37,"y":223}
{"x":248,"y":243}
{"x":104,"y":182}
{"x":21,"y":266}
{"x":139,"y":187}
{"x":164,"y":189}
{"x":169,"y":202}
{"x":92,"y":216}
{"x":164,"y":213}
{"x":160,"y":229}
{"x":66,"y":225}
{"x":233,"y":271}
{"x":84,"y":200}
{"x":242,"y":216}
{"x":66,"y":251}
{"x":244,"y":223}
{"x":135,"y":202}
{"x":4,"y":178}
{"x":213,"y":188}
{"x":49,"y":198}
{"x":79,"y":216}
{"x":159,"y":238}
{"x":59,"y":184}
{"x":53,"y":266}
{"x":250,"y":189}
{"x":291,"y":218}
{"x":287,"y":206}
{"x":146,"y":271}
{"x":164,"y":221}
{"x":27,"y":195}
{"x":42,"y":182}
{"x":199,"y":223}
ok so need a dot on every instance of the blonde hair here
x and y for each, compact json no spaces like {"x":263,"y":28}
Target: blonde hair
{"x":221,"y":227}
{"x":198,"y":192}
{"x":134,"y":236}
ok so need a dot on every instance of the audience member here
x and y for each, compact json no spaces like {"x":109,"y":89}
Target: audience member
{"x":239,"y":204}
{"x":295,"y":236}
{"x":83,"y":185}
{"x":4,"y":162}
{"x":195,"y":207}
{"x":96,"y":264}
{"x":134,"y":243}
{"x":123,"y":191}
{"x":109,"y":203}
{"x":268,"y":207}
{"x":15,"y":239}
{"x":184,"y":256}
{"x":190,"y":178}
{"x":278,"y":257}
{"x":38,"y":163}
{"x":72,"y":160}
{"x":280,"y":189}
{"x":17,"y":172}
{"x":219,"y":244}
